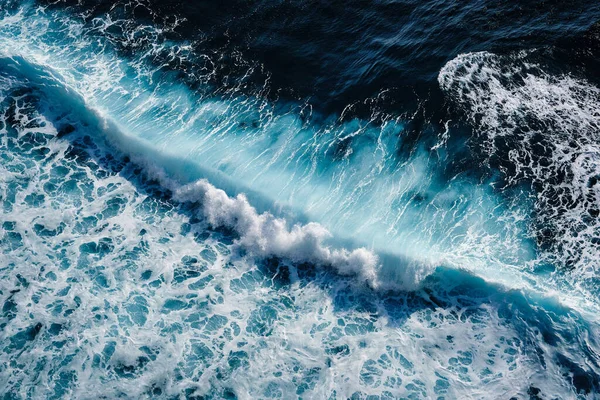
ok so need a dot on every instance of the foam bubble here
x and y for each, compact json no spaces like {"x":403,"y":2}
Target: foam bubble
{"x":543,"y":130}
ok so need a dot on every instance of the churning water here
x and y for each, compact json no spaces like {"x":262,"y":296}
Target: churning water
{"x":299,"y":200}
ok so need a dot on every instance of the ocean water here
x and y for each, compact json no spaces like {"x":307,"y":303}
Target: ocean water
{"x":318,"y":200}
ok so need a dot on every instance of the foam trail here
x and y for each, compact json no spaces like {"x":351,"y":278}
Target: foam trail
{"x":541,"y":130}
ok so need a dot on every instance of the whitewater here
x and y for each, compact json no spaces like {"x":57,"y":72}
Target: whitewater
{"x":165,"y":241}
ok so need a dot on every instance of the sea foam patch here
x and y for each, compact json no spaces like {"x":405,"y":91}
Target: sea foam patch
{"x":540,"y":130}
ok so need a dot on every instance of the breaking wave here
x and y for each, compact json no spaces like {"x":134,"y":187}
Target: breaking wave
{"x":172,"y":230}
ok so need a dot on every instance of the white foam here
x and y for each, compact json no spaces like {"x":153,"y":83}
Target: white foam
{"x":265,"y":235}
{"x":552,"y":123}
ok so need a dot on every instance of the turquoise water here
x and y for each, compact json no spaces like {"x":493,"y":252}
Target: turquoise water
{"x":159,"y":241}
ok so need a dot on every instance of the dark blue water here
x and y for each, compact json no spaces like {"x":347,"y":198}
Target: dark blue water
{"x":321,"y":200}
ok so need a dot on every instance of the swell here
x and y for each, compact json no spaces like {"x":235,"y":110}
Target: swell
{"x":261,"y":234}
{"x":524,"y":342}
{"x":344,"y":173}
{"x":376,"y":182}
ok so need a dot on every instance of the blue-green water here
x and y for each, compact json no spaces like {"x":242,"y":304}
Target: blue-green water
{"x":211,"y":240}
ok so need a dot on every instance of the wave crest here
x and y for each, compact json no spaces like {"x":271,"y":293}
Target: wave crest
{"x":265,"y":235}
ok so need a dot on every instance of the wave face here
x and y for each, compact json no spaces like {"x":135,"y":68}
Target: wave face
{"x":343,"y":172}
{"x":178,"y":222}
